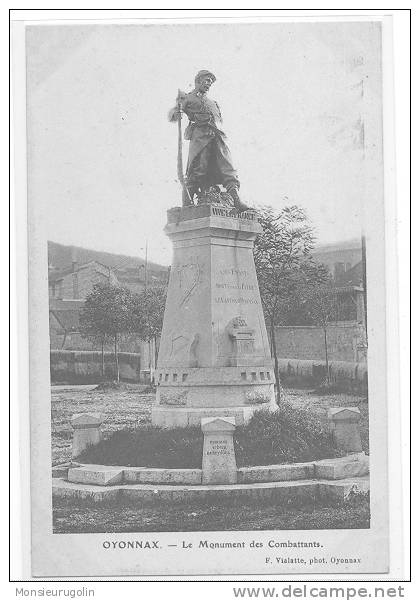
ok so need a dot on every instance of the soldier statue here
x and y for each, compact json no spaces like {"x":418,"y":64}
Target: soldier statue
{"x":209,"y":159}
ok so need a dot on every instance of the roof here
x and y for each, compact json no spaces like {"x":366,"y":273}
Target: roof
{"x":66,"y":305}
{"x":353,"y":244}
{"x":55,"y":276}
{"x":351,"y":277}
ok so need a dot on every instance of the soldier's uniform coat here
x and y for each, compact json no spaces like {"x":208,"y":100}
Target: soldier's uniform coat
{"x":209,"y":159}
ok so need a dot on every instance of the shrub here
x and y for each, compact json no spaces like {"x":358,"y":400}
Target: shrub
{"x":149,"y":446}
{"x":286,"y":436}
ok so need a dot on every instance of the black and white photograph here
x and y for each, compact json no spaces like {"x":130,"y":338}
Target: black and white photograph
{"x":206,"y":239}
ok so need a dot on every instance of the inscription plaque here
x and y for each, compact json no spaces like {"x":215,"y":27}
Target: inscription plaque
{"x":219,"y":462}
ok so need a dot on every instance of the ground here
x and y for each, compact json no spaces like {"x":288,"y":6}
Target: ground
{"x":129,"y":408}
{"x":320,"y":403}
{"x":83,"y":516}
{"x":121,"y":409}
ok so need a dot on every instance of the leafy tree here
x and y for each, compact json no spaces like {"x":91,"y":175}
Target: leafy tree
{"x":105,"y":317}
{"x":147,"y":309}
{"x":93,"y":329}
{"x":284,"y":267}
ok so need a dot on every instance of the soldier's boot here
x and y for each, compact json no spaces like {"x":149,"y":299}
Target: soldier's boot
{"x":239,"y":206}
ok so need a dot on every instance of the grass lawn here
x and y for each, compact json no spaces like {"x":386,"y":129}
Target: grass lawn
{"x":84,"y":516}
{"x":129,"y":408}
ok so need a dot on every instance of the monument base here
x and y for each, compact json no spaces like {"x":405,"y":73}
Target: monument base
{"x":174,"y":417}
{"x":214,"y":354}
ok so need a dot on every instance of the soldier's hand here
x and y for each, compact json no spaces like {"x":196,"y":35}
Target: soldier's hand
{"x":175,"y":115}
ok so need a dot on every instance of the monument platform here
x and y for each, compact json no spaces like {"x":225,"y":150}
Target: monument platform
{"x":214,"y":356}
{"x":335,"y":478}
{"x":354,"y":465}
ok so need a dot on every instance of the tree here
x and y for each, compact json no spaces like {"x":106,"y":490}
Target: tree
{"x":321,"y":304}
{"x":147,"y":309}
{"x":284,"y":267}
{"x":105,"y":317}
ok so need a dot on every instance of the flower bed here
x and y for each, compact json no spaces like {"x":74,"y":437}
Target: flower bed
{"x":289,"y":435}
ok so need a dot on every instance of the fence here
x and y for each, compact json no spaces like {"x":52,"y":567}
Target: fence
{"x":345,"y":375}
{"x":85,"y":367}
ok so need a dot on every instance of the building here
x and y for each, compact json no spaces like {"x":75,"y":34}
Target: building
{"x":73,"y":272}
{"x":137,"y":279}
{"x":77,"y":281}
{"x":347,"y":339}
{"x":341,"y":258}
{"x":64,"y":324}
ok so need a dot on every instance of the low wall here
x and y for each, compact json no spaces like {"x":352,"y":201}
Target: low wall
{"x":347,"y":376}
{"x":307,"y":342}
{"x":73,"y":341}
{"x":85,"y":367}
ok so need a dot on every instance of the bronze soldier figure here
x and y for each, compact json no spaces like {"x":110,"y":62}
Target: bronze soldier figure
{"x":209,"y":159}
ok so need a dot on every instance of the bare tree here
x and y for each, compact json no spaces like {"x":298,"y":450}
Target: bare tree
{"x":321,"y":304}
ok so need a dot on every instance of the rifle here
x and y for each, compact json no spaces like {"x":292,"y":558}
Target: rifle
{"x":181,"y":178}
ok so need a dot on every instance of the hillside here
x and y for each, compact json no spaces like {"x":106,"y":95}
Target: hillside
{"x":61,"y":256}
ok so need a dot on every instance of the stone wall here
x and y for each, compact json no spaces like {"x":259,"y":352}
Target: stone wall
{"x":84,"y":367}
{"x":307,"y":342}
{"x":73,"y":341}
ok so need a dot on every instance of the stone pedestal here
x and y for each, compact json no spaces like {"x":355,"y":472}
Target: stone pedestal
{"x":344,"y":425}
{"x":219,"y":462}
{"x":214,"y":356}
{"x":87,"y":431}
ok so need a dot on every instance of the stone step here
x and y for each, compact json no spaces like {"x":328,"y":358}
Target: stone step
{"x":276,"y":473}
{"x":101,"y":475}
{"x":142,"y":475}
{"x":338,"y":468}
{"x":350,"y":466}
{"x":279,"y":491}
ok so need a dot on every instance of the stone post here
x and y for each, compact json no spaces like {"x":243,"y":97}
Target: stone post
{"x":344,"y":425}
{"x":87,"y":431}
{"x":219,"y":461}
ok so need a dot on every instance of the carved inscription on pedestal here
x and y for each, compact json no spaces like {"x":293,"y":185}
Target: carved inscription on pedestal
{"x":218,"y":446}
{"x":235,"y":280}
{"x":219,"y":462}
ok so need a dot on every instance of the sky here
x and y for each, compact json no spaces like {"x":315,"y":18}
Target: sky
{"x":299,"y":101}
